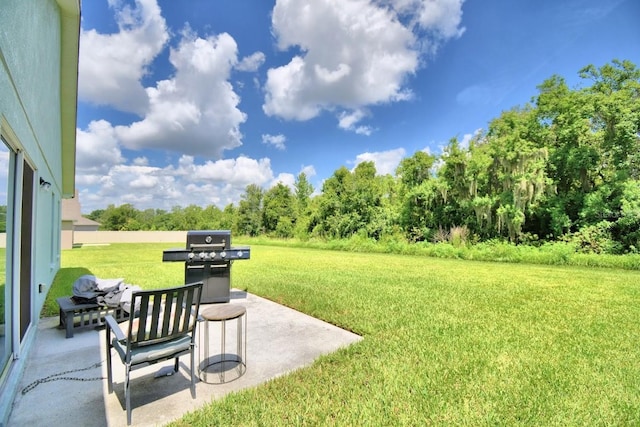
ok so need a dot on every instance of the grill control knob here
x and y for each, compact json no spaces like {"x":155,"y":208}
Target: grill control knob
{"x":191,"y":255}
{"x":202,"y":255}
{"x":212,"y":255}
{"x":239,"y":254}
{"x":223,"y":254}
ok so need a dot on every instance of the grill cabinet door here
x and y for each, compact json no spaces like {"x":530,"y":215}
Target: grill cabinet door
{"x":216,"y":278}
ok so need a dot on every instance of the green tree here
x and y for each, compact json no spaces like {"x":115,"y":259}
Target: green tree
{"x":95,"y":215}
{"x":594,"y":143}
{"x":614,"y":95}
{"x":417,"y":194}
{"x":367,"y":200}
{"x":351,"y":202}
{"x":161,"y":220}
{"x":413,"y":171}
{"x":249,"y":212}
{"x":519,"y":169}
{"x":626,"y":228}
{"x":303,"y":191}
{"x":210,"y":218}
{"x":327,"y":220}
{"x":146,"y":218}
{"x":279,"y":205}
{"x":121,"y":218}
{"x":228,"y":217}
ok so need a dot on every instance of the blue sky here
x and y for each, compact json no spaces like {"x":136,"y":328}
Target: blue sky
{"x":188,"y":102}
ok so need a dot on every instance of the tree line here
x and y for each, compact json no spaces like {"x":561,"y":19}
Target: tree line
{"x":564,"y":167}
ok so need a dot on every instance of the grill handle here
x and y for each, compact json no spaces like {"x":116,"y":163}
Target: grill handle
{"x":219,"y":266}
{"x":207,"y":245}
{"x":201,"y":266}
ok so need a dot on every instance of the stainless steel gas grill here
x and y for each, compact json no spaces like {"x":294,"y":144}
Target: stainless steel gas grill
{"x":207,"y":258}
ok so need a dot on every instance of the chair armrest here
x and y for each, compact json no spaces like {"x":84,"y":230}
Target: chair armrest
{"x":113,"y":325}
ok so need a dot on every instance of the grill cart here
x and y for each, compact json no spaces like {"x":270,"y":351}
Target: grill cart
{"x":208,"y":257}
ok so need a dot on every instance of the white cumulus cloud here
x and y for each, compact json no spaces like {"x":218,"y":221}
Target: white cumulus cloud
{"x":251,"y":62}
{"x":441,"y":18}
{"x":111,"y":66}
{"x":348,"y":119}
{"x":195,"y":112}
{"x":354,"y":53}
{"x":351,"y":54}
{"x":309,"y":171}
{"x":276,"y":140}
{"x":284,"y":178}
{"x":386,"y":162}
{"x":185,"y":183}
{"x":97,"y":151}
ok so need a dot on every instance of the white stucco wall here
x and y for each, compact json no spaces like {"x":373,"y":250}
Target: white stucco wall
{"x":31,"y":101}
{"x":30,"y":106}
{"x":30,"y":87}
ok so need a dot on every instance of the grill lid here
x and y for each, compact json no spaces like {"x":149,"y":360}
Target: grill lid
{"x":207,"y":246}
{"x":208,"y":239}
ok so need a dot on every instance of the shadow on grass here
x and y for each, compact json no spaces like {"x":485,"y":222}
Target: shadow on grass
{"x":62,"y":286}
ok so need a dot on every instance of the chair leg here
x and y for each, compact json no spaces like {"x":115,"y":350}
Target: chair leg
{"x":109,"y":374}
{"x":175,"y":365}
{"x":127,"y":393}
{"x":193,"y":378}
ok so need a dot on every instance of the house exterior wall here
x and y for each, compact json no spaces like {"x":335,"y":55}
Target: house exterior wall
{"x":31,"y":101}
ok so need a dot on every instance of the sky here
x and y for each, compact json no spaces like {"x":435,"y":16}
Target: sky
{"x":188,"y":102}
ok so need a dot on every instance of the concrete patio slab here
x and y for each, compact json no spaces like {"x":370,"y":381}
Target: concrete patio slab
{"x":65,"y":379}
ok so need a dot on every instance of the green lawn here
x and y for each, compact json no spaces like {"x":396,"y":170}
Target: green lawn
{"x":446,"y":342}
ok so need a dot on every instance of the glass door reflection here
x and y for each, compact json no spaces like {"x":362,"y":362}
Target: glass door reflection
{"x":6,"y":157}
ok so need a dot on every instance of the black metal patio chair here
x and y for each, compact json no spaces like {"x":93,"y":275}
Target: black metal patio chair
{"x":162,"y":327}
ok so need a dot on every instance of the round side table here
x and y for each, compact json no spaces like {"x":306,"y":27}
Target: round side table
{"x":214,"y":369}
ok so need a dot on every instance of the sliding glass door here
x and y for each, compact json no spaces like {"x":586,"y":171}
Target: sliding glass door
{"x":7,"y":159}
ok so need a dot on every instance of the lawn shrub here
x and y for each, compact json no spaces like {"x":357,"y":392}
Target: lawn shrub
{"x":440,"y":236}
{"x":595,"y":239}
{"x":459,"y":235}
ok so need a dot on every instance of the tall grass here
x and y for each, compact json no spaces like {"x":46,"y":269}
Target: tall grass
{"x":446,"y":341}
{"x":557,"y":253}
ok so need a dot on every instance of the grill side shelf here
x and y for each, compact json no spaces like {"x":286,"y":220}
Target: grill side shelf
{"x":175,"y":255}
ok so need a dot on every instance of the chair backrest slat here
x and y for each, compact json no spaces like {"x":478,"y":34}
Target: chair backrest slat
{"x":188,"y":303}
{"x":154,"y":319}
{"x":177,"y":326}
{"x":142,"y":319}
{"x":166,"y":315}
{"x":162,"y":314}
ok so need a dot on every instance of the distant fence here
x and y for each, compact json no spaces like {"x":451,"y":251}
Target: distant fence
{"x":97,"y":237}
